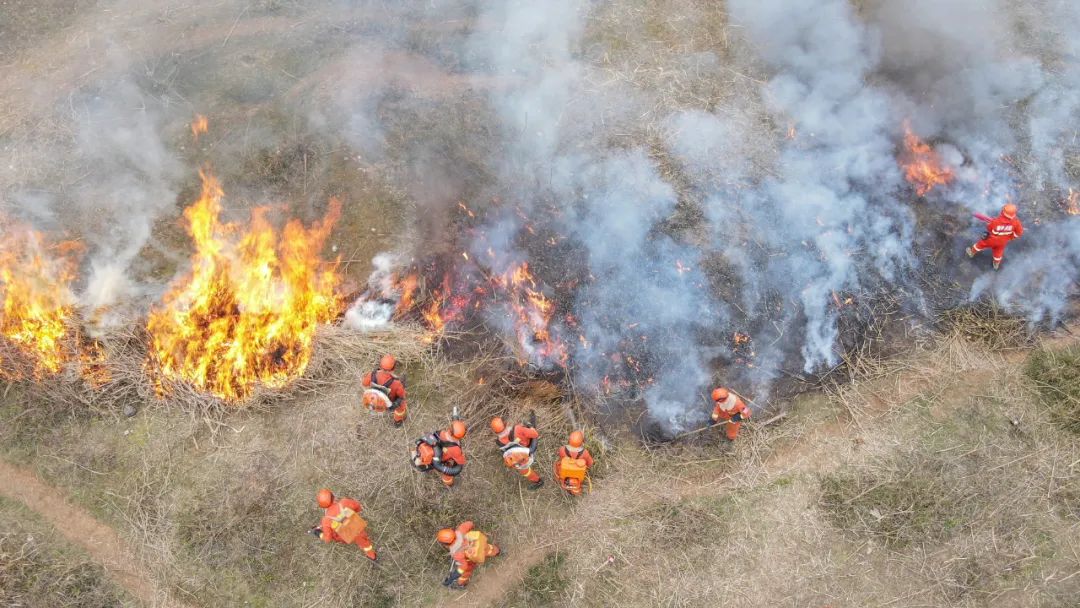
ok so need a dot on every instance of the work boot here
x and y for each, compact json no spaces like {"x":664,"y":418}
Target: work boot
{"x":971,"y":252}
{"x":398,"y":424}
{"x":536,"y":486}
{"x":997,"y":264}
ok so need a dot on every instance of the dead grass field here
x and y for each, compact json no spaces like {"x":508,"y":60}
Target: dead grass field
{"x":38,"y":568}
{"x":946,"y":476}
{"x":947,"y":468}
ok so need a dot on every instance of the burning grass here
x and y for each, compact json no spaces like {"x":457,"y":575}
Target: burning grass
{"x":923,"y":167}
{"x":35,"y":278}
{"x":1056,"y":376}
{"x":246,"y":314}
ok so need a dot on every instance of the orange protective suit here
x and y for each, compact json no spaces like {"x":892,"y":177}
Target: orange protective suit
{"x":731,"y":411}
{"x":469,"y":549}
{"x":999,"y":232}
{"x":442,"y":452}
{"x":518,"y":445}
{"x":383,"y":391}
{"x":330,"y":536}
{"x":570,"y":484}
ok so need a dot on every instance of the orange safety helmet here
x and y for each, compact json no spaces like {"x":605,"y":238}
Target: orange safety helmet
{"x":446,"y":536}
{"x":325,"y":498}
{"x":498,"y":425}
{"x":719,"y":394}
{"x":457,"y":429}
{"x":1009,"y":211}
{"x":577,"y":439}
{"x":387,"y":363}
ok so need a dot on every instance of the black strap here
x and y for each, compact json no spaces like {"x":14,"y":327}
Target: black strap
{"x":384,"y":389}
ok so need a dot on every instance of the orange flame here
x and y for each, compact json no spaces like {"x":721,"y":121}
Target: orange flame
{"x":433,"y":314}
{"x":923,"y":167}
{"x":37,"y":302}
{"x":246,"y":313}
{"x":407,"y":288}
{"x":1072,"y":204}
{"x":532,"y":317}
{"x":199,"y":126}
{"x":92,"y":364}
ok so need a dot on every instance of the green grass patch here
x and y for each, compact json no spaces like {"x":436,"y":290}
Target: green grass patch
{"x":900,"y":503}
{"x":1056,"y":377}
{"x":545,"y":584}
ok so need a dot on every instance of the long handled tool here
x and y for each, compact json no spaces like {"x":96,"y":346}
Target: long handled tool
{"x":745,"y":400}
{"x":775,"y":418}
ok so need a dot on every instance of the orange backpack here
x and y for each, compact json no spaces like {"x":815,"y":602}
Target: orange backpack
{"x":476,"y":547}
{"x":348,"y":524}
{"x":572,"y":468}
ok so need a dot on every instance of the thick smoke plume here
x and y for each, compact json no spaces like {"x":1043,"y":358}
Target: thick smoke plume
{"x":682,"y":239}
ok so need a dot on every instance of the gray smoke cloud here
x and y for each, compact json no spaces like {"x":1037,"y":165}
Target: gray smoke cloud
{"x":832,"y":214}
{"x":133,"y":183}
{"x":830,"y":211}
{"x":661,"y":228}
{"x":107,"y":185}
{"x":642,"y":292}
{"x":1000,"y":82}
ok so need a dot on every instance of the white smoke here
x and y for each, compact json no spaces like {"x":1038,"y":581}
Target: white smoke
{"x":757,"y":212}
{"x":374,"y":309}
{"x":120,"y":178}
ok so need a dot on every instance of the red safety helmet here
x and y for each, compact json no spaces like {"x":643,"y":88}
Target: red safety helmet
{"x":446,"y":536}
{"x":325,"y":498}
{"x":457,"y":429}
{"x":720,"y":394}
{"x":498,"y":425}
{"x":1009,"y":211}
{"x":577,"y":439}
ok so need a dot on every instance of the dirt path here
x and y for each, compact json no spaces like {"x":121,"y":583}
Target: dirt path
{"x":805,"y":454}
{"x":82,"y":529}
{"x":492,"y":584}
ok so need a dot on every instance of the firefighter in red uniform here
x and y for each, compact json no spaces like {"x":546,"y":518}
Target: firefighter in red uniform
{"x":468,"y":548}
{"x":441,"y":451}
{"x":573,"y":464}
{"x":385,"y":392}
{"x":729,"y":409}
{"x":518,"y":446}
{"x":341,"y":523}
{"x":999,"y":231}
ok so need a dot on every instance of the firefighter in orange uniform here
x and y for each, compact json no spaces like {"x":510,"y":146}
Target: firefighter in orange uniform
{"x":518,"y":446}
{"x":999,"y":231}
{"x":385,"y":392}
{"x":341,"y":523}
{"x":573,"y":464}
{"x":468,"y":548}
{"x":441,"y":451}
{"x":729,"y":409}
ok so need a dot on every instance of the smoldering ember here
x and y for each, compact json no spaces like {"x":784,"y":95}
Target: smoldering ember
{"x":507,"y":303}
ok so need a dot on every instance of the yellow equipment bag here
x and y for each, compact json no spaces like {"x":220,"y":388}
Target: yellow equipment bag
{"x":478,"y":546}
{"x":348,"y":524}
{"x":572,"y":468}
